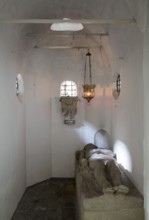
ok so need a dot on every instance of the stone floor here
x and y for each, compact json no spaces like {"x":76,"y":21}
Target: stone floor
{"x":53,"y":199}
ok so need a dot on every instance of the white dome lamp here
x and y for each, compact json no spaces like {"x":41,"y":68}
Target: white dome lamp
{"x":66,"y":26}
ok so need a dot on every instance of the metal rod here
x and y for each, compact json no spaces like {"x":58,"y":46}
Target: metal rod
{"x":83,"y":21}
{"x":67,"y":47}
{"x":69,"y":34}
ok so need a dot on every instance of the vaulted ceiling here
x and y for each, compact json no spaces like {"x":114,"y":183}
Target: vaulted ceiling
{"x":40,"y":35}
{"x":74,"y":9}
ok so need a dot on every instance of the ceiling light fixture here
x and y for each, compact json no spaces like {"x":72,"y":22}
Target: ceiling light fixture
{"x":66,"y":26}
{"x":88,"y":88}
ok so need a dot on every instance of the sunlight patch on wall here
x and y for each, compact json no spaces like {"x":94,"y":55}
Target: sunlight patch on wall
{"x":123,"y":155}
{"x":87,"y":132}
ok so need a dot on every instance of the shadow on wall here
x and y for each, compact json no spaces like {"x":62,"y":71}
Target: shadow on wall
{"x":123,"y":155}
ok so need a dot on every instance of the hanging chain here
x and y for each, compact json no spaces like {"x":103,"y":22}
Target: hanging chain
{"x":85,"y":69}
{"x":89,"y":54}
{"x":90,"y":75}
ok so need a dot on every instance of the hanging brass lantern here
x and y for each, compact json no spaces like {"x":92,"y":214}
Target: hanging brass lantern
{"x":88,"y":87}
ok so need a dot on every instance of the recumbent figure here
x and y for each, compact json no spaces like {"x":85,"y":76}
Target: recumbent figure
{"x":101,"y":165}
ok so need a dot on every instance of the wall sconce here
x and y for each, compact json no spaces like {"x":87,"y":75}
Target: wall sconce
{"x":88,"y":88}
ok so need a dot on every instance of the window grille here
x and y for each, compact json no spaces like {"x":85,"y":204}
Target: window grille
{"x":118,"y":83}
{"x":68,"y":88}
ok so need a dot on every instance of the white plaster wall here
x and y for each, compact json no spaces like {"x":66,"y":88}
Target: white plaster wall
{"x":51,"y":144}
{"x":146,"y":115}
{"x":127,"y":114}
{"x":12,"y":123}
{"x":38,"y":117}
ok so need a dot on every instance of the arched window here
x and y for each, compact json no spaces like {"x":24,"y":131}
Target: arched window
{"x":68,"y":88}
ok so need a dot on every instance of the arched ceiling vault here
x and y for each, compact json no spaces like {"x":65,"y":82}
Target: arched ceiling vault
{"x":101,"y":15}
{"x":95,"y":14}
{"x":57,"y":9}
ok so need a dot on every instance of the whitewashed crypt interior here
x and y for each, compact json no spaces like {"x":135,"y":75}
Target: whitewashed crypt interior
{"x":36,"y":144}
